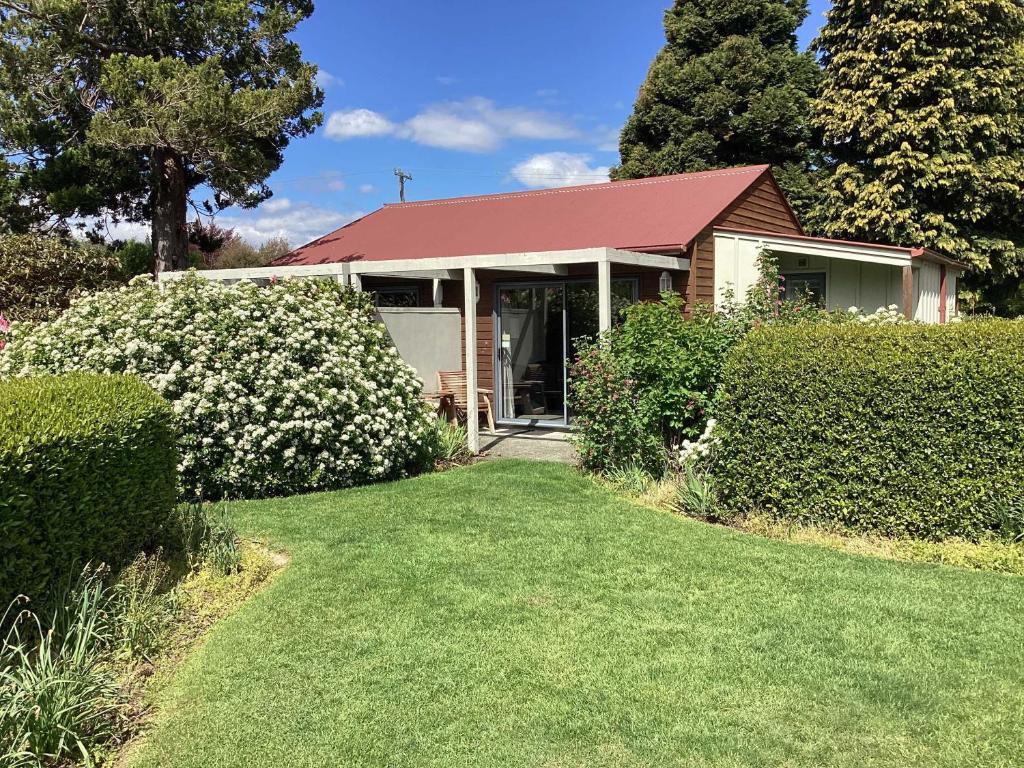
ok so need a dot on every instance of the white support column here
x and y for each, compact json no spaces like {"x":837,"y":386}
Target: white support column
{"x":469,"y":316}
{"x":345,"y":277}
{"x":604,"y":294}
{"x":357,"y":282}
{"x":438,"y":293}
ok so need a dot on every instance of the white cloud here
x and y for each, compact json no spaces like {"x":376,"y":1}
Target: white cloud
{"x":472,"y":125}
{"x":298,"y":223}
{"x":558,"y":169}
{"x":440,"y":127}
{"x":276,"y":205}
{"x":367,"y":188}
{"x":353,"y":123}
{"x":326,"y":80}
{"x":336,"y":185}
{"x":121,"y":230}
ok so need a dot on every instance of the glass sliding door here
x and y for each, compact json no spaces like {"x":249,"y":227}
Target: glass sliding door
{"x":532,"y":352}
{"x":540,"y":326}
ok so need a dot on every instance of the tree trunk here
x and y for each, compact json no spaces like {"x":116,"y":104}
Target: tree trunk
{"x":170,"y":197}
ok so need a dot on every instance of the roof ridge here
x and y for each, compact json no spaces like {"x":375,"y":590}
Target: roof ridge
{"x":650,"y":180}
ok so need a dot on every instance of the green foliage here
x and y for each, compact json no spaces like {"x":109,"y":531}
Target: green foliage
{"x":696,"y":495}
{"x":674,"y":363}
{"x":287,"y":387}
{"x":204,"y":535}
{"x":41,"y":275}
{"x":922,"y":111}
{"x":135,"y":258}
{"x":728,"y":89}
{"x":449,"y":443}
{"x":60,"y":701}
{"x":87,"y":473}
{"x":899,"y":429}
{"x":609,"y":428}
{"x":130,"y":109}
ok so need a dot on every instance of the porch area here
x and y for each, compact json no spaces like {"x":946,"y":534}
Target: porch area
{"x":528,"y":312}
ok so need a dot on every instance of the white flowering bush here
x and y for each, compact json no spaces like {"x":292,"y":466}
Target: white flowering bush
{"x":890,"y":315}
{"x":278,"y":389}
{"x":693,"y":451}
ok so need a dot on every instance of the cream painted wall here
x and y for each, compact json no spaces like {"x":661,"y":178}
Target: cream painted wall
{"x":847,"y":283}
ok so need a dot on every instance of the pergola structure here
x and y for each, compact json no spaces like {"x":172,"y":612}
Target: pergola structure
{"x":551,"y":264}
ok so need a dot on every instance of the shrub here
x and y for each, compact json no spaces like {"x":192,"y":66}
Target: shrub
{"x":87,"y":473}
{"x":648,"y":384}
{"x":900,"y":429}
{"x":278,"y":389}
{"x":610,"y":429}
{"x":41,"y":275}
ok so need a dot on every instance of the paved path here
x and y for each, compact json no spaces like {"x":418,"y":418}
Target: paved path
{"x":540,"y":444}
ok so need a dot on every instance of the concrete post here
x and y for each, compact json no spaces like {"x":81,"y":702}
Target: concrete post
{"x":438,"y":293}
{"x":469,"y":317}
{"x":604,"y":294}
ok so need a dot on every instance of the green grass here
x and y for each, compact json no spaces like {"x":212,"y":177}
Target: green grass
{"x":515,"y":614}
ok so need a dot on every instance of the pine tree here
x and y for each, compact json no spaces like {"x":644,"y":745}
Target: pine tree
{"x":126,"y":108}
{"x":729,"y":88}
{"x":922,"y":112}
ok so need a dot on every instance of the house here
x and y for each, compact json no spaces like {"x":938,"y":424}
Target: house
{"x":543,"y":268}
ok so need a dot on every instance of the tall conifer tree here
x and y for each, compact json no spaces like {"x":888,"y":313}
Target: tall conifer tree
{"x":921,"y":108}
{"x":729,"y":88}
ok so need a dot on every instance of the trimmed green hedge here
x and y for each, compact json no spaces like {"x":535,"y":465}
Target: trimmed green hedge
{"x":87,"y":473}
{"x":908,"y":429}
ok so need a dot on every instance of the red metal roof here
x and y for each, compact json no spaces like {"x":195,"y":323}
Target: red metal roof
{"x":642,"y":214}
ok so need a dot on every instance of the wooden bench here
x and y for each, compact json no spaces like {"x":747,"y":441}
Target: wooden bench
{"x":455,"y":382}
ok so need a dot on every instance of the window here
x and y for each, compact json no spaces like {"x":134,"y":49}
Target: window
{"x":805,"y":284}
{"x":397,"y":296}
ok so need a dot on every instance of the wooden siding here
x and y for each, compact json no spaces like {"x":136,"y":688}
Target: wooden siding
{"x":701,"y":285}
{"x":762,"y":207}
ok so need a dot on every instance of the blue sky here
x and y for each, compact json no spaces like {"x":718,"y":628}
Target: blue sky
{"x":470,"y":97}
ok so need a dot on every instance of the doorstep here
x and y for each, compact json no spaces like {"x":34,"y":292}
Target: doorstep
{"x":527,"y":443}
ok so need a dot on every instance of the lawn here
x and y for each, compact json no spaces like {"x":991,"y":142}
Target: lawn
{"x":513,"y":614}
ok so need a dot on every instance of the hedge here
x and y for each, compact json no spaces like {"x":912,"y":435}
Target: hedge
{"x":906,"y":430}
{"x":87,"y":474}
{"x":40,"y":275}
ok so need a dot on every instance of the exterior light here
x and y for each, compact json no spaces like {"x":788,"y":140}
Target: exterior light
{"x":665,"y":283}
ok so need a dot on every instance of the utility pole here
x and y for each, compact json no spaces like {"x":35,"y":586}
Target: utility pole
{"x":402,"y":178}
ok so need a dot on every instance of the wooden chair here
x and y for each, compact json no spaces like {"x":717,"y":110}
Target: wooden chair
{"x":455,"y":382}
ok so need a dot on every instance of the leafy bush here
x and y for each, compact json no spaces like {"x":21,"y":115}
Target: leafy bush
{"x":87,"y":473}
{"x":278,"y":389}
{"x":135,"y":258}
{"x":899,"y":429}
{"x":610,"y":429}
{"x":41,"y":275}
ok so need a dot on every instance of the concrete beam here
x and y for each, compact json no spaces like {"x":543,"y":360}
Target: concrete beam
{"x":604,"y":295}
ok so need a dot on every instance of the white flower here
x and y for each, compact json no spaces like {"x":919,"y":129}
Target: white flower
{"x":258,"y":378}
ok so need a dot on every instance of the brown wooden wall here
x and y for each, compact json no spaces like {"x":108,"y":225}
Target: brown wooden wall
{"x":762,"y":207}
